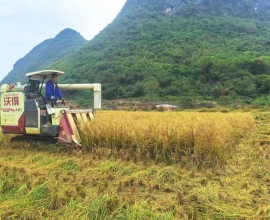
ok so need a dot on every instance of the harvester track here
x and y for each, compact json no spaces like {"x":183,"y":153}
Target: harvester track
{"x":33,"y":139}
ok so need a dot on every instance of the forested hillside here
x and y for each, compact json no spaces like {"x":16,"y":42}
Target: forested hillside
{"x":45,"y":54}
{"x":181,"y":50}
{"x":186,"y":51}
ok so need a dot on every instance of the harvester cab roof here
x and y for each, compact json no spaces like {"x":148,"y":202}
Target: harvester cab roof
{"x":44,"y":74}
{"x":25,"y":111}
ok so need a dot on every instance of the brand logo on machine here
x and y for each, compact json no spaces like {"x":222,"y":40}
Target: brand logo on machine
{"x":11,"y":100}
{"x":8,"y":110}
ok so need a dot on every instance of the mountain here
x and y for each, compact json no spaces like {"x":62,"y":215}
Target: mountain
{"x":184,"y":50}
{"x":179,"y":49}
{"x":45,"y":54}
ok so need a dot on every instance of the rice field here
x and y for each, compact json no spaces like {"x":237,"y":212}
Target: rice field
{"x":143,"y":165}
{"x":171,"y":137}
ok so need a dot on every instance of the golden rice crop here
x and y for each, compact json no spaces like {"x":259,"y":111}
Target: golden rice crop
{"x":205,"y":138}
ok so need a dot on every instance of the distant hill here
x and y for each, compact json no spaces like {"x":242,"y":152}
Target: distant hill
{"x":45,"y":54}
{"x":178,"y":49}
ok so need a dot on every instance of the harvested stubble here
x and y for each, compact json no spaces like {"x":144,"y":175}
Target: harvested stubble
{"x":204,"y":138}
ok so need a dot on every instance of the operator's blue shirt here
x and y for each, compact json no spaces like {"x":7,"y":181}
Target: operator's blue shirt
{"x":52,"y":89}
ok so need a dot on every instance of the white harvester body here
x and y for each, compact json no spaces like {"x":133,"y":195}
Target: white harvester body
{"x":25,"y":111}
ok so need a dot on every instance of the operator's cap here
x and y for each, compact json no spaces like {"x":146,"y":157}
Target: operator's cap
{"x":54,"y":75}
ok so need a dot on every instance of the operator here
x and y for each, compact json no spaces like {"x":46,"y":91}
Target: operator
{"x":53,"y":94}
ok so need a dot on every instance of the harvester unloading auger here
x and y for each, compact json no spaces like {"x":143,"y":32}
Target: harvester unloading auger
{"x":24,"y":111}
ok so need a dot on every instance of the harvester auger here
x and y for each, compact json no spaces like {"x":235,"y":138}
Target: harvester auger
{"x":24,"y":110}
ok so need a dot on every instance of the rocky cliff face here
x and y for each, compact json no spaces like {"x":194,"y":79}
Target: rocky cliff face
{"x":180,"y":3}
{"x":170,"y":6}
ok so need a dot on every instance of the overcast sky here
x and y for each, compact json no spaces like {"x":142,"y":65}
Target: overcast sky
{"x":26,"y":23}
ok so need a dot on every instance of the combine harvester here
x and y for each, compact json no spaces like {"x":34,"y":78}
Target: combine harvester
{"x":24,"y":110}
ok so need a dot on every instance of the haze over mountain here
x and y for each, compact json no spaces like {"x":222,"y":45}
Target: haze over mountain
{"x":196,"y":50}
{"x":45,"y":54}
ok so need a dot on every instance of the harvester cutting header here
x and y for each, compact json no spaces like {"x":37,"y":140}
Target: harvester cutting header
{"x":25,"y":111}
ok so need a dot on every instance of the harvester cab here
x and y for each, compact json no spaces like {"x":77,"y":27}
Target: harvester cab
{"x":26,"y":112}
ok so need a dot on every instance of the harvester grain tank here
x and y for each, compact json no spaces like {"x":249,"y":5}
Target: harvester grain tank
{"x":24,"y":110}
